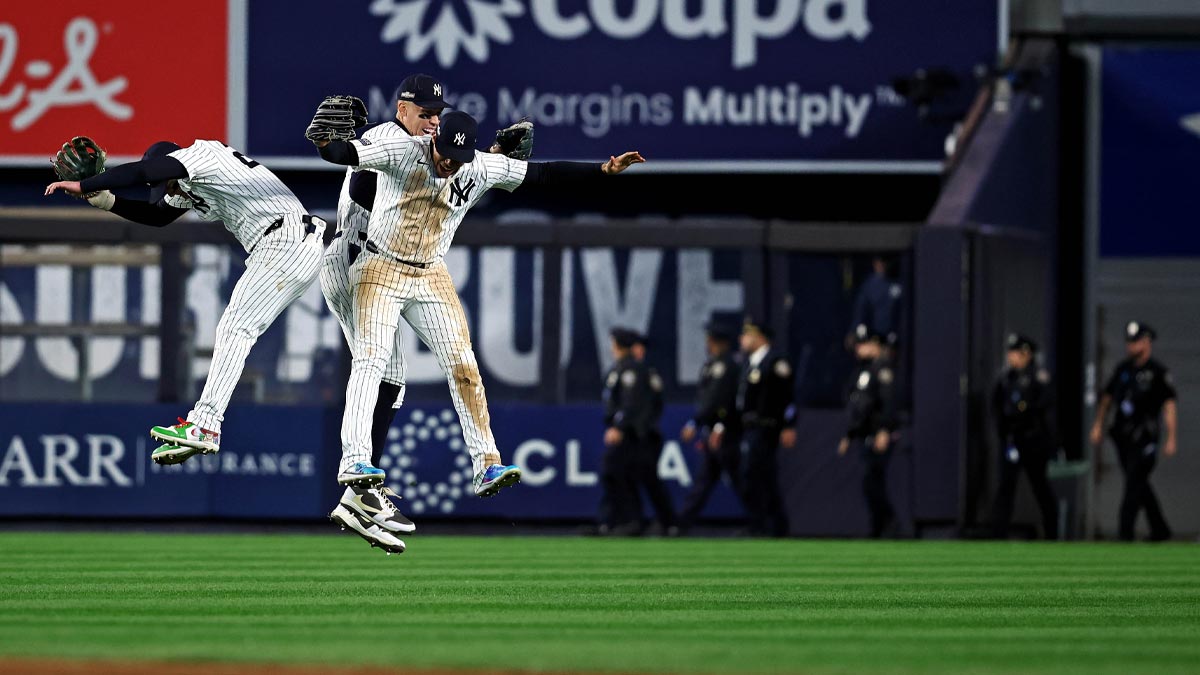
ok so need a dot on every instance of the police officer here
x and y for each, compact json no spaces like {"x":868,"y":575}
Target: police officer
{"x":716,"y":402}
{"x":871,"y":420}
{"x":767,"y":415}
{"x":645,"y":470}
{"x":1144,"y":393}
{"x":628,"y":418}
{"x":1022,"y":403}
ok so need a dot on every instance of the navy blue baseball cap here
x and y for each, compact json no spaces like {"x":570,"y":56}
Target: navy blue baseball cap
{"x":160,"y":149}
{"x":720,"y":331}
{"x":1136,"y":330}
{"x":624,"y":337}
{"x":421,"y":90}
{"x":1017,"y":342}
{"x":456,"y":136}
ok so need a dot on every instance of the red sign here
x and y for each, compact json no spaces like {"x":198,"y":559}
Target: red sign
{"x":125,"y":72}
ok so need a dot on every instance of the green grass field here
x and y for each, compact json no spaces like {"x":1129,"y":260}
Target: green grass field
{"x":575,"y":604}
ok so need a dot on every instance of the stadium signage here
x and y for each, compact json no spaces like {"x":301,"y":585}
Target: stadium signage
{"x":53,"y":460}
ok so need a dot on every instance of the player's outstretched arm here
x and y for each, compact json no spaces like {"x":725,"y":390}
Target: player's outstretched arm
{"x":97,"y":189}
{"x":553,"y":174}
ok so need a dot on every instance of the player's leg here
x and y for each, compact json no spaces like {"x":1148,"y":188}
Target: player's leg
{"x":391,"y":397}
{"x":278,"y":272}
{"x":378,"y":287}
{"x":436,"y":316}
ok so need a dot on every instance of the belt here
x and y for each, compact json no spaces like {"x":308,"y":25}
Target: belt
{"x":370,"y":246}
{"x":309,"y":228}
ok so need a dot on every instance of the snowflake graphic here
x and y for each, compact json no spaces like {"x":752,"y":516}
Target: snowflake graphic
{"x":445,"y":33}
{"x":437,"y":477}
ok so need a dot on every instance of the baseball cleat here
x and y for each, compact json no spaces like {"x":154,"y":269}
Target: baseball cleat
{"x":168,"y":454}
{"x":374,"y":505}
{"x":362,"y":474}
{"x":374,"y":535}
{"x":188,"y":435}
{"x":495,"y":478}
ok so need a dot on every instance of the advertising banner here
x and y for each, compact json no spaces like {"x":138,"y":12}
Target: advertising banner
{"x":279,"y":462}
{"x":123,"y":72}
{"x":1150,"y":148}
{"x":696,"y":86}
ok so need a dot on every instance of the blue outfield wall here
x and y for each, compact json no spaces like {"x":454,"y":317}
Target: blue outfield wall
{"x":277,"y":462}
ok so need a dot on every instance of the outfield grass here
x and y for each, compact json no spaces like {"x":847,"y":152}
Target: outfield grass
{"x":647,"y":606}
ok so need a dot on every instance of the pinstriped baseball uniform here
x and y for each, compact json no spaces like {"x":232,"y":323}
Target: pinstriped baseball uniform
{"x":284,"y":244}
{"x":401,"y":274}
{"x":335,"y":267}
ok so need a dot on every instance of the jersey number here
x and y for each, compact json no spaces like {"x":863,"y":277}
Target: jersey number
{"x":250,"y":164}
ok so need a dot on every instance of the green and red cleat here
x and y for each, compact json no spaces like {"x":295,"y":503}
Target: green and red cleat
{"x":182,"y":441}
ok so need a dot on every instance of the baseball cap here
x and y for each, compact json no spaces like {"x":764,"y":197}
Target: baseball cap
{"x":421,"y":90}
{"x":1017,"y":342}
{"x":160,"y":149}
{"x":624,"y":337}
{"x":1136,"y":330}
{"x":718,"y":330}
{"x":456,"y":136}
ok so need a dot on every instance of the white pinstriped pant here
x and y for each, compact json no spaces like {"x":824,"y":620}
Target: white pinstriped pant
{"x":280,"y":268}
{"x":384,"y":292}
{"x":339,"y":296}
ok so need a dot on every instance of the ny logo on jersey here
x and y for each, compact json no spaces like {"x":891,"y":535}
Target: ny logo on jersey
{"x":459,"y":193}
{"x":460,"y":138}
{"x":198,"y":202}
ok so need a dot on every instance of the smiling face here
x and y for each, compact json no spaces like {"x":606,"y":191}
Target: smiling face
{"x":444,"y":166}
{"x":418,"y":121}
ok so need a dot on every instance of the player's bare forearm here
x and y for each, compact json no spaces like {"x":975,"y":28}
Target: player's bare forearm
{"x":70,"y":187}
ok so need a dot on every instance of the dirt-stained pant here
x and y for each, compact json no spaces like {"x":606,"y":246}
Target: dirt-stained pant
{"x":385,"y":291}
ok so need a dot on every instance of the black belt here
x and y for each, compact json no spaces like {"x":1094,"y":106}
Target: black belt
{"x":309,"y":226}
{"x":370,"y":246}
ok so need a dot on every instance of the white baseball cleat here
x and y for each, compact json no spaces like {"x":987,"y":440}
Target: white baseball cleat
{"x":374,"y":505}
{"x":375,"y":535}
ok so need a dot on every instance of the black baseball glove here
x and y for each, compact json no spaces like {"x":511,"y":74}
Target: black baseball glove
{"x":79,"y":158}
{"x":336,"y":119}
{"x":516,"y":141}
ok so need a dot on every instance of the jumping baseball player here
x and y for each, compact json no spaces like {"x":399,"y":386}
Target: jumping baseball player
{"x":283,"y":241}
{"x":419,"y":105}
{"x":424,"y":188}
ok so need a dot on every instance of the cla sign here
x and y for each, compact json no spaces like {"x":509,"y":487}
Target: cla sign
{"x":485,"y":20}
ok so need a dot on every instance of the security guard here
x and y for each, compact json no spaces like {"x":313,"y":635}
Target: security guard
{"x":645,"y":473}
{"x":628,"y":418}
{"x":716,"y":401}
{"x":767,"y":415}
{"x":1022,"y":403}
{"x":1144,"y":393}
{"x":871,"y":420}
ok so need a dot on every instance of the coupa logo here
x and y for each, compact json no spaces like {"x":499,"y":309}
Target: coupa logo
{"x":435,"y":479}
{"x":470,"y":25}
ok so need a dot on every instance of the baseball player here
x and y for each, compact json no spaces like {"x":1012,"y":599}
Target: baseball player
{"x":419,"y":105}
{"x":283,"y":241}
{"x":424,"y":188}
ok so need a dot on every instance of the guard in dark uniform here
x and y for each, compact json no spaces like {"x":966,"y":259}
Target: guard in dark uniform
{"x":1022,"y":404}
{"x":766,"y":391}
{"x":1143,"y":392}
{"x":716,"y":402}
{"x":645,"y":475}
{"x":628,"y":418}
{"x":871,"y":420}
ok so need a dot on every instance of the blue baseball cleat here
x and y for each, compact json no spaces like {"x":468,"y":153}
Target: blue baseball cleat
{"x":362,"y":474}
{"x":496,"y":477}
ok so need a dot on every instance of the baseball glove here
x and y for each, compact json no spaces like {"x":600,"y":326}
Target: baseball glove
{"x":516,"y":141}
{"x":336,"y":119}
{"x":79,"y":158}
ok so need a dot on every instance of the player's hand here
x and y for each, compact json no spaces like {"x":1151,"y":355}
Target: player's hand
{"x":843,"y":447}
{"x":787,"y":437}
{"x":687,"y":433}
{"x":882,"y":440}
{"x":70,"y":187}
{"x":1097,"y":435}
{"x":613,"y":436}
{"x":616,"y":165}
{"x":1170,"y":447}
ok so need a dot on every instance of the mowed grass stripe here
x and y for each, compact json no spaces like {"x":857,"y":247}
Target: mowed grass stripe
{"x":671,"y":606}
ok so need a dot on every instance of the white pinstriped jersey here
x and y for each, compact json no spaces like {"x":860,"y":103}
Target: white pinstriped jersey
{"x":223,"y":184}
{"x":417,"y":213}
{"x":351,"y":217}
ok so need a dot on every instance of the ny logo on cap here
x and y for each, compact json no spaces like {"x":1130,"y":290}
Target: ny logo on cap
{"x":437,"y":89}
{"x":460,"y":138}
